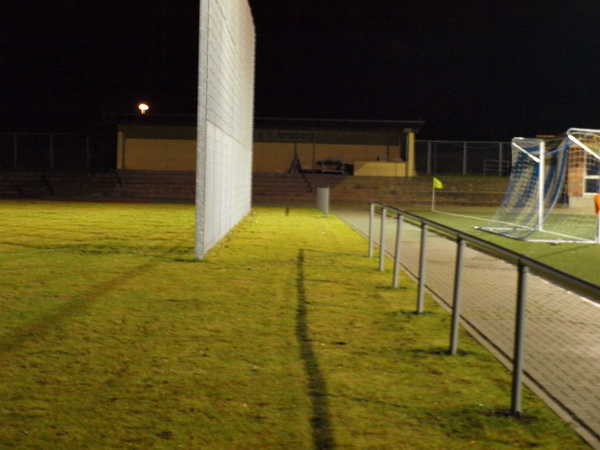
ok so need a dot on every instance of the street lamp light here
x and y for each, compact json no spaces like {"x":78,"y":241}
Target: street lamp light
{"x":143,"y":108}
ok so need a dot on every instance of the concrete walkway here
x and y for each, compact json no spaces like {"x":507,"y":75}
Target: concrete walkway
{"x":562,"y":334}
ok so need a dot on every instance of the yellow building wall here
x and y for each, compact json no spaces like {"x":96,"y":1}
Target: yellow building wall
{"x":158,"y":154}
{"x":379,"y":169}
{"x":275,"y":157}
{"x":272,"y":157}
{"x":278,"y":157}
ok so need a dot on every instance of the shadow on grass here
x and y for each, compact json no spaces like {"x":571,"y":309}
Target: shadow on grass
{"x":317,"y":388}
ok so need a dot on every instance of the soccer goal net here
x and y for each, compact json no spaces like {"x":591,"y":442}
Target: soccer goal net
{"x":550,"y":195}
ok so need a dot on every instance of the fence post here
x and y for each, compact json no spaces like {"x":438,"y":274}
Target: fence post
{"x":460,"y":246}
{"x":429,"y":157}
{"x":500,"y":146}
{"x":15,"y":150}
{"x":51,"y":148}
{"x":421,"y":291}
{"x":87,"y":151}
{"x":519,"y":340}
{"x":397,"y":253}
{"x":382,"y":240}
{"x":371,"y":218}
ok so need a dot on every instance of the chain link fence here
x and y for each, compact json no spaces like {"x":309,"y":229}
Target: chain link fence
{"x":50,"y":151}
{"x":463,"y":157}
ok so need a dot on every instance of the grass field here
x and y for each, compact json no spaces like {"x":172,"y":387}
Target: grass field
{"x":113,"y":336}
{"x":578,"y":259}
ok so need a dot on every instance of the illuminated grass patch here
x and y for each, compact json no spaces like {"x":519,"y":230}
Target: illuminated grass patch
{"x":113,"y":335}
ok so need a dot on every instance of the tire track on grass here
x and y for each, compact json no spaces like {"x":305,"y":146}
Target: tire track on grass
{"x":20,"y":336}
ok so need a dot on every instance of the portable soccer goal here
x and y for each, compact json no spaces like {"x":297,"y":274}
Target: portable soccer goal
{"x":552,"y":189}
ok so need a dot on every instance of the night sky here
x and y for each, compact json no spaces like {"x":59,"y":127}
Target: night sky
{"x":470,"y":69}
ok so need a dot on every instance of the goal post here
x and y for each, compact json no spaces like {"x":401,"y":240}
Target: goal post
{"x":546,"y":173}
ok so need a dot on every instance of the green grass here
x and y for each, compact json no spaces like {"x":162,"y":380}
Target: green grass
{"x":113,"y":336}
{"x":579,"y":260}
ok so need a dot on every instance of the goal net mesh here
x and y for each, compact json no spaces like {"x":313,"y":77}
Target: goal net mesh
{"x":545,"y":173}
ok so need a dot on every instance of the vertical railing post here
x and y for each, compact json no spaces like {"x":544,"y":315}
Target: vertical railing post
{"x":371,"y":219}
{"x":519,"y":340}
{"x":421,"y":291}
{"x":382,"y":240}
{"x":397,"y":252}
{"x":460,"y":246}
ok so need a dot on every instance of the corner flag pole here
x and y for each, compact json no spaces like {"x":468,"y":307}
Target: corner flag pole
{"x":597,"y":203}
{"x":437,"y":184}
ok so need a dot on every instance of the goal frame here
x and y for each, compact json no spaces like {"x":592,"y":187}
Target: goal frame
{"x":546,"y":195}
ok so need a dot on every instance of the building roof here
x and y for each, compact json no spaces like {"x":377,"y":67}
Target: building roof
{"x":339,"y":124}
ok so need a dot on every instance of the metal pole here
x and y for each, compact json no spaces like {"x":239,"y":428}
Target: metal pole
{"x":429,"y":157}
{"x":464,"y":171}
{"x":460,"y":247}
{"x":87,"y":151}
{"x":500,"y":159}
{"x":421,"y":291}
{"x":382,"y":240}
{"x":371,"y":218}
{"x":15,"y":150}
{"x":541,"y":184}
{"x":519,"y":341}
{"x":51,"y":151}
{"x":397,"y":254}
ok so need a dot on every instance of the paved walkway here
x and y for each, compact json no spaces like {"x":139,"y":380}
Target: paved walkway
{"x":562,"y":334}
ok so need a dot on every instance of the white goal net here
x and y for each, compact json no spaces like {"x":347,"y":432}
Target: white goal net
{"x":550,"y":196}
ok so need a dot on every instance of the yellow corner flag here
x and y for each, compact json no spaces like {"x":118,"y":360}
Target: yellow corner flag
{"x":437,"y":184}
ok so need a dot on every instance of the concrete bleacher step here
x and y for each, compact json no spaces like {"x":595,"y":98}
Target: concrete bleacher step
{"x":180,"y":186}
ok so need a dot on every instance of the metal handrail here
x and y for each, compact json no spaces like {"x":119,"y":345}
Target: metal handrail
{"x":523,"y":263}
{"x":557,"y":276}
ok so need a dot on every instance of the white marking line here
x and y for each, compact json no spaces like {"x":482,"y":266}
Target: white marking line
{"x":596,"y":304}
{"x":460,"y":215}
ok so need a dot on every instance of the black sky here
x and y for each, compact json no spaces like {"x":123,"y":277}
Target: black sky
{"x":470,"y":69}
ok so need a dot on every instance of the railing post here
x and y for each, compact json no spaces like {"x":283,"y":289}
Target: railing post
{"x":460,"y":246}
{"x":371,"y":219}
{"x":397,"y":253}
{"x":422,"y":258}
{"x":519,"y":340}
{"x":382,"y":240}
